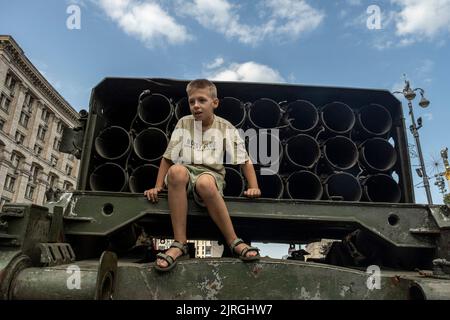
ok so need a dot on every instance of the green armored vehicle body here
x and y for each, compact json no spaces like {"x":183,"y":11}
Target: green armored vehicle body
{"x":332,"y":163}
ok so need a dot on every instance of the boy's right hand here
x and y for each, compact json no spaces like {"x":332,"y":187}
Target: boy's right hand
{"x":152,"y":194}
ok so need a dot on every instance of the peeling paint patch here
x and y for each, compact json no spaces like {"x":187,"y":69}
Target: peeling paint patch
{"x":395,"y":280}
{"x":214,"y":264}
{"x":344,"y":290}
{"x":317,"y":295}
{"x":73,"y":203}
{"x":257,"y":269}
{"x":212,"y":287}
{"x":304,"y":294}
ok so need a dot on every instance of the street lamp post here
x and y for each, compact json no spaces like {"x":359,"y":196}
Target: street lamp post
{"x":410,"y":94}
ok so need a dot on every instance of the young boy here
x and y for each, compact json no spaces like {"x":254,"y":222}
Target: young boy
{"x":193,"y":163}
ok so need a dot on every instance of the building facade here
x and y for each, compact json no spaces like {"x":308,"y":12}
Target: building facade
{"x":316,"y":249}
{"x":32,"y":118}
{"x":203,"y":248}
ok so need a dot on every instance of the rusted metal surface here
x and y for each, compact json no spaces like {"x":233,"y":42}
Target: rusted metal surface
{"x":56,"y":253}
{"x":430,"y":289}
{"x":23,"y":277}
{"x":11,"y":263}
{"x":106,"y":276}
{"x":81,"y":280}
{"x":26,"y":226}
{"x":223,"y":279}
{"x":57,"y":283}
{"x":226,"y":279}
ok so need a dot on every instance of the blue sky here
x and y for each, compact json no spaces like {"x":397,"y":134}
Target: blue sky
{"x":321,"y":42}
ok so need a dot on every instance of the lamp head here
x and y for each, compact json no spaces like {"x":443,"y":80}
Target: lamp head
{"x":424,"y":102}
{"x":409,"y":93}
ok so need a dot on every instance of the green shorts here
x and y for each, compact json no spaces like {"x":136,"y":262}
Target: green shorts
{"x":194,"y":173}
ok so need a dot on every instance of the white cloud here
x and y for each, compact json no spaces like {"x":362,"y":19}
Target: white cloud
{"x":406,"y":42}
{"x":146,"y":21}
{"x":405,"y":23}
{"x":248,"y":71}
{"x":423,"y":18}
{"x":297,"y":16}
{"x":216,"y":63}
{"x":289,"y":18}
{"x":221,"y":16}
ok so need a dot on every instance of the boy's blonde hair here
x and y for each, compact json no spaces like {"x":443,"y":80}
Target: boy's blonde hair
{"x":202,"y":84}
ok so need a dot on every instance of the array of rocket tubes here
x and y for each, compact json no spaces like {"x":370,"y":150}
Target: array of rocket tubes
{"x":328,"y":152}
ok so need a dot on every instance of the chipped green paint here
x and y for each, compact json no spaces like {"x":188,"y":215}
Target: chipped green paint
{"x":227,"y":278}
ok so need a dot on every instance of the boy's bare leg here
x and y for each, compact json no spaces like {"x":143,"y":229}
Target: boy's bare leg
{"x":206,"y":188}
{"x":177,"y":179}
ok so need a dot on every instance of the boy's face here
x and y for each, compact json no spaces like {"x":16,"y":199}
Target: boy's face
{"x":202,"y":105}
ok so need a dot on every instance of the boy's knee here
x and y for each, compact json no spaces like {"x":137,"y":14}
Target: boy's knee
{"x":206,"y":186}
{"x":177,"y":174}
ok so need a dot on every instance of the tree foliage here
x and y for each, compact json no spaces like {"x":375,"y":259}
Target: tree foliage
{"x":447,"y":199}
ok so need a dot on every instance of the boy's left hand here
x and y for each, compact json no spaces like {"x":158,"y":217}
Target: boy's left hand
{"x":252,"y":193}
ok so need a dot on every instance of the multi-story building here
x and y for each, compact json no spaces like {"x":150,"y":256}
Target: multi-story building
{"x":203,"y":248}
{"x":32,"y":118}
{"x":207,"y":249}
{"x":316,"y":249}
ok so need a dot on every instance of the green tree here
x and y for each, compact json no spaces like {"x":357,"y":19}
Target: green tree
{"x":447,"y":198}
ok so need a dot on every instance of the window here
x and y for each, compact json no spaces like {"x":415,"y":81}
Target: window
{"x":15,"y":159}
{"x":34,"y":173}
{"x":28,"y":102}
{"x":52,"y":180}
{"x":20,"y":137}
{"x":56,"y":144}
{"x":37,"y":149}
{"x":208,"y":251}
{"x":23,"y":120}
{"x":4,"y":201}
{"x":4,"y":102}
{"x":41,"y":132}
{"x":67,"y":186}
{"x":29,"y":192}
{"x":2,"y":124}
{"x":10,"y":82}
{"x":60,"y":126}
{"x":9,"y":183}
{"x":68,"y":170}
{"x":45,"y":114}
{"x":54,"y":160}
